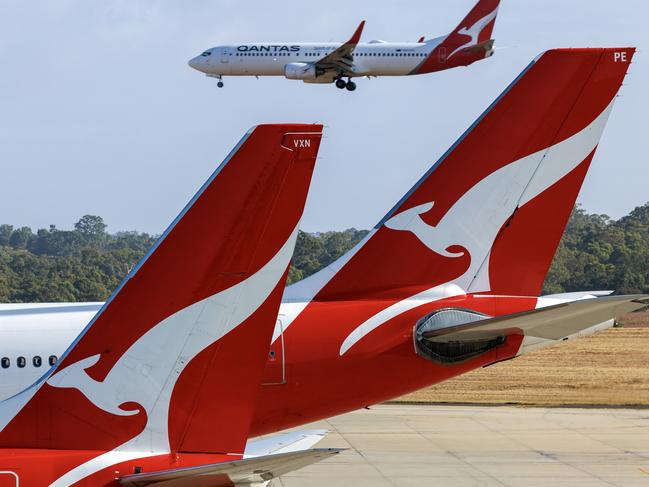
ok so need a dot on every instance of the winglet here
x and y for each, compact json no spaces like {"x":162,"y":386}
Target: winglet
{"x":421,"y":39}
{"x":357,"y":34}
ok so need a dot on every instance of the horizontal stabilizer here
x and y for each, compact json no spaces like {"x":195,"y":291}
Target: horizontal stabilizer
{"x":239,"y":472}
{"x":552,"y":322}
{"x":572,"y":296}
{"x":284,"y":443}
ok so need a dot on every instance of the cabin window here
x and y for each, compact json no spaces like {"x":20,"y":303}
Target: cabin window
{"x":5,"y":362}
{"x":53,"y":359}
{"x":21,"y":361}
{"x":37,"y":361}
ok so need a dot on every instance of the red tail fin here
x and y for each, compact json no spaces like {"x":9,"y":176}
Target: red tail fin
{"x":487,"y":217}
{"x":192,"y":323}
{"x":475,"y":28}
{"x":470,"y":41}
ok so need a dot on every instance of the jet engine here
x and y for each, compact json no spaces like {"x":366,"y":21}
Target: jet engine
{"x":301,"y":71}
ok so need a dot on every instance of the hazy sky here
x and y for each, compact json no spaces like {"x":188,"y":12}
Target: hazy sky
{"x":99,"y":112}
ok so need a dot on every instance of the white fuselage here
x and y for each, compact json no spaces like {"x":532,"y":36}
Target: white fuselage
{"x":374,"y":58}
{"x":33,"y":336}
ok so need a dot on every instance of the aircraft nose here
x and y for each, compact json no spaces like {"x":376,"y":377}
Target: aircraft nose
{"x":196,"y":63}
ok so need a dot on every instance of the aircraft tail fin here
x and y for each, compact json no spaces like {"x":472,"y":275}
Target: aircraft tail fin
{"x":470,"y":41}
{"x":477,"y":25}
{"x":173,"y":360}
{"x":488,"y":216}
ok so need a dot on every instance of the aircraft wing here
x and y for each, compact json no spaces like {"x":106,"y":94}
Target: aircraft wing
{"x":342,"y":59}
{"x":239,"y":472}
{"x":551,"y":323}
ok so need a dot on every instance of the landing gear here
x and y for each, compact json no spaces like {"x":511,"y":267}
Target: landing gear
{"x":342,"y":84}
{"x":217,"y":76}
{"x":220,"y":78}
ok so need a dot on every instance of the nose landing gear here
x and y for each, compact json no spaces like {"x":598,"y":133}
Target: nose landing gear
{"x":219,"y":77}
{"x":342,"y":84}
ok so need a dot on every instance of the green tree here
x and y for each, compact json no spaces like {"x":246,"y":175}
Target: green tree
{"x":5,"y":234}
{"x":91,"y":227}
{"x":21,"y":237}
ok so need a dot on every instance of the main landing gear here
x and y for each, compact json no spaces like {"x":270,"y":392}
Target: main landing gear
{"x":342,"y":84}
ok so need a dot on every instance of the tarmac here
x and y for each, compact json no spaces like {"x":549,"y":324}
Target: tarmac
{"x":462,"y":446}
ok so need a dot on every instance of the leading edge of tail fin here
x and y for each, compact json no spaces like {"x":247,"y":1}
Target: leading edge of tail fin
{"x":191,"y":324}
{"x":488,"y":216}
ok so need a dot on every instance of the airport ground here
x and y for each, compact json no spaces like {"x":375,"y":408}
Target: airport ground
{"x":482,"y":446}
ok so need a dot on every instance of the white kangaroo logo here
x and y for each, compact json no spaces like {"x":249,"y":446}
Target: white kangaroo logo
{"x":474,"y":31}
{"x":75,"y":376}
{"x":474,"y":220}
{"x":411,"y":221}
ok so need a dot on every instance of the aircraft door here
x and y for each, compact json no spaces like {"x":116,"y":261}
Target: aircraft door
{"x":442,"y":55}
{"x":274,"y":372}
{"x":225,"y":55}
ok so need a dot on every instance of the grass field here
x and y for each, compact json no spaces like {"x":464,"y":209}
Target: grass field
{"x":608,"y":368}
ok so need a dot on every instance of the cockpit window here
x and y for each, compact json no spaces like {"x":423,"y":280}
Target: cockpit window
{"x":206,"y":53}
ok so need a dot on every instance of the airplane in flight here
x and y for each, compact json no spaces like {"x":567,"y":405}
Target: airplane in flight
{"x":160,"y":387}
{"x":447,"y":282}
{"x":327,"y":62}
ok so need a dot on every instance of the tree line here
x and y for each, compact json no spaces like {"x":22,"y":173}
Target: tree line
{"x":87,"y":263}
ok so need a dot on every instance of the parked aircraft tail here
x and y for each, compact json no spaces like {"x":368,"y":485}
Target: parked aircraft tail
{"x":488,"y":216}
{"x":173,"y":361}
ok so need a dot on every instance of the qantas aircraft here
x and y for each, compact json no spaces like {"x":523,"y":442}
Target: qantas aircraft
{"x":447,"y":282}
{"x":161,"y":386}
{"x":328,"y":62}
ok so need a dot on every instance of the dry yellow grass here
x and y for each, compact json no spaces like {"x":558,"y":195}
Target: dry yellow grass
{"x":608,"y":368}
